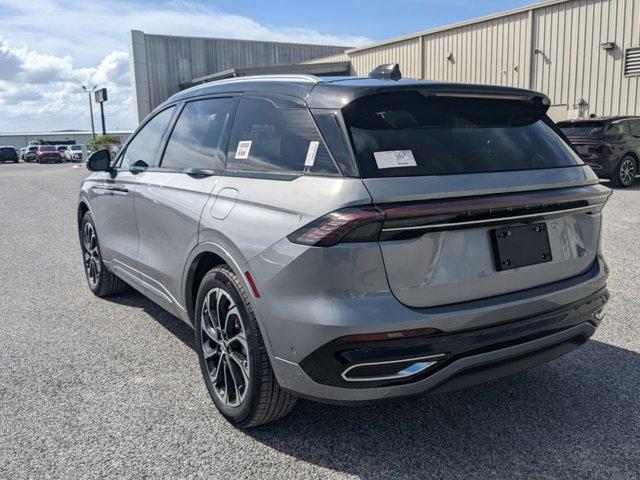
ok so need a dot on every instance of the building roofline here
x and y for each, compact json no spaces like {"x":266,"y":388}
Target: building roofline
{"x":244,"y":40}
{"x":452,"y":26}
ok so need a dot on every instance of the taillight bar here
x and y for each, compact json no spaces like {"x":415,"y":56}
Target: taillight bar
{"x":407,"y":220}
{"x":353,"y":224}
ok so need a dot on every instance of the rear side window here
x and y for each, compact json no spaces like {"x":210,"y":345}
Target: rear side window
{"x":623,"y":127}
{"x":581,"y":129}
{"x":199,"y":137}
{"x":410,"y":134}
{"x":266,"y":138}
{"x":144,"y":146}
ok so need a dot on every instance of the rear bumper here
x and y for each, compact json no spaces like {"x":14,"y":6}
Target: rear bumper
{"x":463,"y":358}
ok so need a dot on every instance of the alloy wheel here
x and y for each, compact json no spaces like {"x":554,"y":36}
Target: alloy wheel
{"x":224,"y":347}
{"x":91,"y":254}
{"x":627,"y":171}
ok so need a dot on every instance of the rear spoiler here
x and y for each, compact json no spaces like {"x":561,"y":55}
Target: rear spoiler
{"x":334,"y":95}
{"x":538,"y":99}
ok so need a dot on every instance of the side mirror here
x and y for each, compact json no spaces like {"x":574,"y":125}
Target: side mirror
{"x":100,"y":161}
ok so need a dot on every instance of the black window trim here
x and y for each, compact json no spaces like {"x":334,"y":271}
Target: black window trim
{"x":289,"y":175}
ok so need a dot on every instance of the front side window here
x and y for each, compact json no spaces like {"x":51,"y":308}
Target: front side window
{"x":634,"y":128}
{"x":266,"y":138}
{"x":199,"y":137}
{"x":410,"y":134}
{"x":144,"y":146}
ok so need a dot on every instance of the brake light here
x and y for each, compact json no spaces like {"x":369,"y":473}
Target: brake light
{"x":354,"y":224}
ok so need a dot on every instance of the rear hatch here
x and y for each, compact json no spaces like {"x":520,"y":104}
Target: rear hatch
{"x":7,"y":153}
{"x":480,"y":195}
{"x":585,"y":136}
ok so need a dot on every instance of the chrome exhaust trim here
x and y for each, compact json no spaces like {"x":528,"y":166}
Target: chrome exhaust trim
{"x":416,"y":365}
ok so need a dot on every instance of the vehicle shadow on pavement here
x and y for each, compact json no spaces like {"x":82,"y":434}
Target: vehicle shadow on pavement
{"x":174,"y":325}
{"x":575,"y":417}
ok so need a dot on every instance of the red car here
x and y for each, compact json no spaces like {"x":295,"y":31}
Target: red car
{"x":48,"y":154}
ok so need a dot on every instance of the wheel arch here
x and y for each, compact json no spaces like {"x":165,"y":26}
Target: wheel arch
{"x":83,"y":208}
{"x":203,"y":257}
{"x":634,"y":155}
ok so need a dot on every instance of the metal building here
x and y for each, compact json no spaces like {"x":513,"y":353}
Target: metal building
{"x":161,"y":63}
{"x":584,"y":54}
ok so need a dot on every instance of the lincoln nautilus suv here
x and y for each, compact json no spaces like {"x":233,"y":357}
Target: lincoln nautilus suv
{"x":351,"y":240}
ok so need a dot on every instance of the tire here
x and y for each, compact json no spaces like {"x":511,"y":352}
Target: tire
{"x":245,"y":399}
{"x":101,"y":281}
{"x":626,"y":172}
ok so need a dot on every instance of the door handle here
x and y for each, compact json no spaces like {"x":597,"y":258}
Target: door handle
{"x":138,"y":166}
{"x":118,"y":189}
{"x":110,"y":188}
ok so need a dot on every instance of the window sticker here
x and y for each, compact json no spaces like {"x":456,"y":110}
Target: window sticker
{"x":311,"y":154}
{"x":242,"y":152}
{"x":395,"y":159}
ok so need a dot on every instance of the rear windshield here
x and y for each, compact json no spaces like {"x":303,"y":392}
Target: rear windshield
{"x":76,"y":147}
{"x":409,"y":134}
{"x":582,"y":129}
{"x":48,"y":149}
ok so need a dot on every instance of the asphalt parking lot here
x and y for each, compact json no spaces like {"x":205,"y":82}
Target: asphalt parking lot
{"x":92,"y":387}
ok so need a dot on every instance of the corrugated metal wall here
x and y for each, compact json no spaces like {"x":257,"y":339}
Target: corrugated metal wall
{"x":171,"y":60}
{"x":552,"y":48}
{"x":572,"y":66}
{"x":339,"y":57}
{"x":493,"y":52}
{"x":406,"y":53}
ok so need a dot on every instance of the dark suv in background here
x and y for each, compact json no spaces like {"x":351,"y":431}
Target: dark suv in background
{"x":609,"y":145}
{"x":8,"y":154}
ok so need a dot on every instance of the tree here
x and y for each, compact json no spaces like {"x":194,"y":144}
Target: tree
{"x":104,"y":141}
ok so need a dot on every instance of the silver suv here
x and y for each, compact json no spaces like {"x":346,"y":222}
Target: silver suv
{"x":351,"y":240}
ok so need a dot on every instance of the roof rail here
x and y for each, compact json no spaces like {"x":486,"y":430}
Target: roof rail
{"x":299,"y":78}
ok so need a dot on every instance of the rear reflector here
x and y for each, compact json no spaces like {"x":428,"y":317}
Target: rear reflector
{"x":381,"y":336}
{"x":252,"y":284}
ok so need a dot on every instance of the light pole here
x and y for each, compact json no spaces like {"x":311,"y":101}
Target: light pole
{"x":89,"y":92}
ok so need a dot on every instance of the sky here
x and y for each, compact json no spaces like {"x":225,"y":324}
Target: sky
{"x":50,"y":48}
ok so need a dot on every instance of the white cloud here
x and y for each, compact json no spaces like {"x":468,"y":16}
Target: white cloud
{"x":50,"y":48}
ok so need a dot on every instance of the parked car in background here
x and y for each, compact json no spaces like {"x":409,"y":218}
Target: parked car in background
{"x":48,"y":154}
{"x":29,"y":153}
{"x":62,"y":149}
{"x":351,"y":240}
{"x":8,"y":153}
{"x":609,"y":145}
{"x":73,"y":153}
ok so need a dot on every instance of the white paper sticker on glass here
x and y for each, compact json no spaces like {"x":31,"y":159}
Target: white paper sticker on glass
{"x":242,"y":152}
{"x":395,"y":159}
{"x":311,"y":154}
